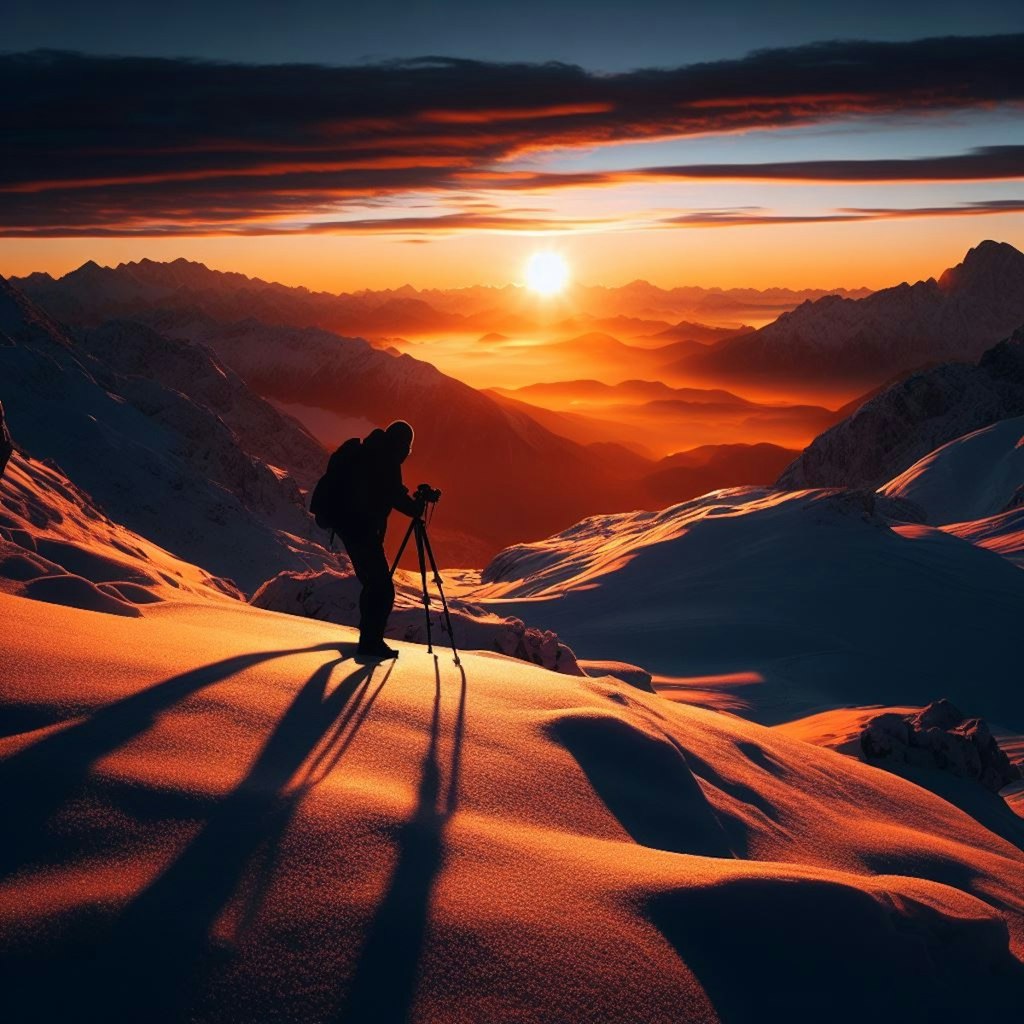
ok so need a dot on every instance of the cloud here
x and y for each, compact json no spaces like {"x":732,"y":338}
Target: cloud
{"x":440,"y":224}
{"x":755,"y":216}
{"x":986,"y":163}
{"x":132,"y":145}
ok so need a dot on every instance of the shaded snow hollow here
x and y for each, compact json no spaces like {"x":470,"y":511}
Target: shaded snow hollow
{"x":794,"y":600}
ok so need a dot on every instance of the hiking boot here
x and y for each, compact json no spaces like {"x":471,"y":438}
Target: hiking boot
{"x":377,"y":650}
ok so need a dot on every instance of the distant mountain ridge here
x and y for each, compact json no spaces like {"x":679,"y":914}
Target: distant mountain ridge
{"x":504,"y":476}
{"x":91,"y":294}
{"x":958,"y":316}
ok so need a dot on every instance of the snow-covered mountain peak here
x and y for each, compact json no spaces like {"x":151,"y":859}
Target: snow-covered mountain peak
{"x":987,"y":262}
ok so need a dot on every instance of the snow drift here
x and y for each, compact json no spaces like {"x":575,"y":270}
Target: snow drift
{"x":796,"y":600}
{"x":56,"y":546}
{"x":243,"y":823}
{"x":334,"y":597}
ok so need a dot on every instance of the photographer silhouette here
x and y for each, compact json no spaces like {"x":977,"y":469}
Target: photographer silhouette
{"x":354,"y":498}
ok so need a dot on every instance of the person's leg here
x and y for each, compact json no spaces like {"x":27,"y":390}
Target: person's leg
{"x":371,"y":567}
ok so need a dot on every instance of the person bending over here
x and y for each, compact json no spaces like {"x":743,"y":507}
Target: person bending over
{"x":373,"y":487}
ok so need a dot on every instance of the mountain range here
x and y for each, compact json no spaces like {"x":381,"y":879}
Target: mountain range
{"x":957,"y":316}
{"x":92,"y":293}
{"x":204,"y":471}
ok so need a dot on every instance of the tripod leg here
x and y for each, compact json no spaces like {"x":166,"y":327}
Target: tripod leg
{"x":402,"y":546}
{"x":421,"y":534}
{"x":440,"y":590}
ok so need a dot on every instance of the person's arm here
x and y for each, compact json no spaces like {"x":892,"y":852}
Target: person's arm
{"x":400,"y":497}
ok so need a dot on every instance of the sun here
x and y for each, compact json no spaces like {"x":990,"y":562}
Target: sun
{"x":547,"y":273}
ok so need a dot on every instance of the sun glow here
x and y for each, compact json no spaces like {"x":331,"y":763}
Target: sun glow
{"x":547,"y":273}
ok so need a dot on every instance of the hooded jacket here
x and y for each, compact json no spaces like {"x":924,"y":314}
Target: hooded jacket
{"x":375,"y":487}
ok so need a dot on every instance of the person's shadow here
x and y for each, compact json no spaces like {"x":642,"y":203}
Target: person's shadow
{"x":38,"y":780}
{"x":150,"y":955}
{"x":383,"y":986}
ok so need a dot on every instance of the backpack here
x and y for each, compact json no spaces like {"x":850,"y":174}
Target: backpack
{"x":328,"y":499}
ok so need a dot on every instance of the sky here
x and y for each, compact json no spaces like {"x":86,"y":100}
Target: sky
{"x":344,"y":146}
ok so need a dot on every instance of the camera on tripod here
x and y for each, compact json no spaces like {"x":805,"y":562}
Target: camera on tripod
{"x":427,"y":494}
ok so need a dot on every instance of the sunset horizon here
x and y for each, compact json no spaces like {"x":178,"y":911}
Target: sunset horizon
{"x":511,"y":513}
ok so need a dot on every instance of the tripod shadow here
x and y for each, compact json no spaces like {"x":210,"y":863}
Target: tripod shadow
{"x":37,"y":781}
{"x":383,"y":986}
{"x":152,"y":957}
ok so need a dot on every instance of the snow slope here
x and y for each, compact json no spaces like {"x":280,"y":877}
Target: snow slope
{"x":1003,"y":533}
{"x":796,"y":601}
{"x":242,"y":823}
{"x":56,"y":546}
{"x":907,"y":421}
{"x":973,"y":477}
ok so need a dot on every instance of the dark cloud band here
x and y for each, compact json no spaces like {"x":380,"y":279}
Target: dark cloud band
{"x":129,"y":145}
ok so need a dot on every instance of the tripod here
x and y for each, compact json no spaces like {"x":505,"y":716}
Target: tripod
{"x":418,"y":529}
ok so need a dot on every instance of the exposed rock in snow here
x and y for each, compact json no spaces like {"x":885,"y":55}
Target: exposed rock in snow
{"x":907,"y":421}
{"x":967,"y":310}
{"x":334,"y":597}
{"x":973,"y":477}
{"x":940,"y":736}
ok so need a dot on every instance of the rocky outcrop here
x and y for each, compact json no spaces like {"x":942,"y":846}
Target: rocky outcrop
{"x":939,"y":736}
{"x":334,"y":597}
{"x":906,"y":422}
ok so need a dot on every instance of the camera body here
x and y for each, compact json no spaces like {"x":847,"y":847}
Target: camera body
{"x":427,"y":494}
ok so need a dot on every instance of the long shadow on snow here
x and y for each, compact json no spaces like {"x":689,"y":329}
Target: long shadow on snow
{"x":160,"y":940}
{"x":37,"y":781}
{"x":383,"y":987}
{"x":152,"y":955}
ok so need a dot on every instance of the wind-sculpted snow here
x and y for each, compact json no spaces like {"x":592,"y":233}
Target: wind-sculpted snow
{"x":151,"y":454}
{"x":334,"y":597}
{"x":974,"y":477}
{"x":243,"y":823}
{"x":1003,"y":533}
{"x":909,"y":420}
{"x":801,"y":599}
